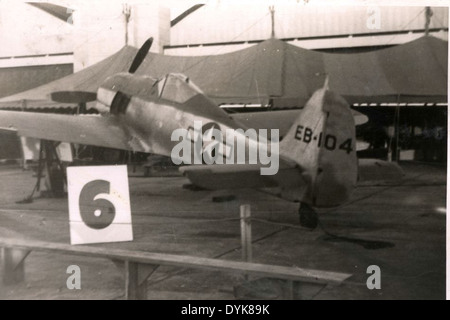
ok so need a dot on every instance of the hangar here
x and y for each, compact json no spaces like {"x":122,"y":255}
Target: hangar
{"x":395,"y":216}
{"x":282,"y":77}
{"x":276,"y":75}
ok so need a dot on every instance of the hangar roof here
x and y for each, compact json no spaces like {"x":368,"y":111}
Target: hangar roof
{"x":225,"y":22}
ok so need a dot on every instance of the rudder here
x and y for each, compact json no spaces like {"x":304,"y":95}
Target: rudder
{"x":322,"y":142}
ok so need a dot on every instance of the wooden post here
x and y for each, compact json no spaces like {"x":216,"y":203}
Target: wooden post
{"x":41,"y":166}
{"x":136,"y":275}
{"x":289,"y":290}
{"x":127,"y":13}
{"x":13,"y":265}
{"x":133,"y":290}
{"x":428,"y":15}
{"x":272,"y":16}
{"x":246,"y":232}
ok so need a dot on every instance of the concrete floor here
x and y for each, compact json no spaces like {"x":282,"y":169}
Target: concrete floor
{"x":399,"y":227}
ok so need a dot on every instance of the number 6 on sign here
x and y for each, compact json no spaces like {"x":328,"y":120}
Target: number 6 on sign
{"x":99,"y":204}
{"x":95,"y":210}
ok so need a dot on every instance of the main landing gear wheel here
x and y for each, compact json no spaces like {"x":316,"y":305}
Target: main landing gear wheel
{"x":308,"y":217}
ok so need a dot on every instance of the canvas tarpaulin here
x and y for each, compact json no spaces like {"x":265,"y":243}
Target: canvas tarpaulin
{"x":88,"y":79}
{"x":415,"y":71}
{"x":286,"y":75}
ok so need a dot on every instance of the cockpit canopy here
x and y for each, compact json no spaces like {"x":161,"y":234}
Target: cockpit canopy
{"x":173,"y":87}
{"x":119,"y":90}
{"x":177,"y":88}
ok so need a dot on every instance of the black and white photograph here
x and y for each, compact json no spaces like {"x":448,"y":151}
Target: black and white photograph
{"x":224,"y":154}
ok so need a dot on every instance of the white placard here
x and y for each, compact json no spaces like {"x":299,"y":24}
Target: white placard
{"x":64,"y":151}
{"x":30,"y":148}
{"x":99,"y":204}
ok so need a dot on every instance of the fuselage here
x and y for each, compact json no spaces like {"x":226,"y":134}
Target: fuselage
{"x":172,"y":117}
{"x":153,"y":109}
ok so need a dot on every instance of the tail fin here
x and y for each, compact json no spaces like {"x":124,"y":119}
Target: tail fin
{"x":322,"y":142}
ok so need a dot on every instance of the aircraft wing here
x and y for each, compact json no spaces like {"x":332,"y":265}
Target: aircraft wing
{"x":89,"y":130}
{"x":232,"y":176}
{"x":241,"y":176}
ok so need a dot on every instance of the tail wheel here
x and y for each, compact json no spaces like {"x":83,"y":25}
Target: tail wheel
{"x":308,"y":217}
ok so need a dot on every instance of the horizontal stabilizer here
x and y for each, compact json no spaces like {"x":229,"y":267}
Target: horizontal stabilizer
{"x":374,"y":169}
{"x":280,"y":119}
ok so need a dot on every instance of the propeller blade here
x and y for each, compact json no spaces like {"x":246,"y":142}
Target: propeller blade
{"x":140,"y":56}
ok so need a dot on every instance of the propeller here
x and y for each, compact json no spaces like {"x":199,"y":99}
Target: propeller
{"x":86,"y":96}
{"x":140,"y":56}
